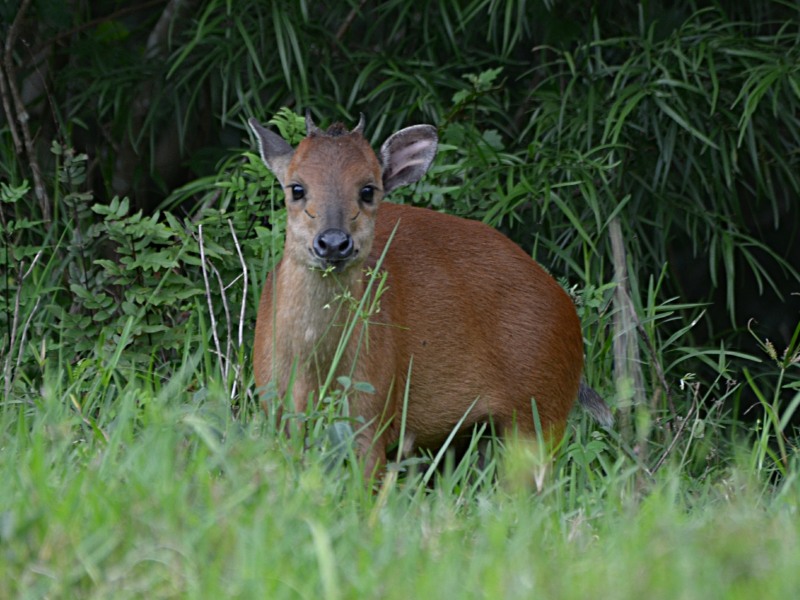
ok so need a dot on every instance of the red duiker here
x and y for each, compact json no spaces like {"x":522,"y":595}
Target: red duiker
{"x":482,"y":321}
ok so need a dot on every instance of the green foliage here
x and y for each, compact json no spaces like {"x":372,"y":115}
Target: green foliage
{"x":691,"y":139}
{"x":679,"y":121}
{"x":128,"y":285}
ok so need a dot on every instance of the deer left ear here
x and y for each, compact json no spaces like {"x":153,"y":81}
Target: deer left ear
{"x":407,"y":155}
{"x":275,"y":151}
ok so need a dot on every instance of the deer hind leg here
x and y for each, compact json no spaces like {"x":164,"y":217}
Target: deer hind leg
{"x":529,"y":451}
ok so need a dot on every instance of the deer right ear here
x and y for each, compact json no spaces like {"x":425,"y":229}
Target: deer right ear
{"x":275,"y":151}
{"x":407,"y":154}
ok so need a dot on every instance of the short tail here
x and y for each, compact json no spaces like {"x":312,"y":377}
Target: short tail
{"x":595,"y":406}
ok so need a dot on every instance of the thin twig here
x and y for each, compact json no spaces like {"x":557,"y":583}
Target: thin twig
{"x":12,"y":122}
{"x":240,"y":337}
{"x":22,"y":115}
{"x":24,"y":333}
{"x":208,"y":292}
{"x":110,"y":17}
{"x":208,"y":202}
{"x":678,"y":433}
{"x":228,"y":341}
{"x":244,"y":291}
{"x":11,"y":340}
{"x":349,"y":20}
{"x":7,"y":375}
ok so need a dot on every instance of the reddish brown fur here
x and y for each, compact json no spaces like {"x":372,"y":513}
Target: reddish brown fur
{"x":479,"y":318}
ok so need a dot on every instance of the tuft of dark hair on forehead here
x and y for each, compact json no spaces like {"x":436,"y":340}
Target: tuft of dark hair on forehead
{"x":337,"y":129}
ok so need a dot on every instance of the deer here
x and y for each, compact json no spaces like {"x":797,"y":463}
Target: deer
{"x":470,"y":329}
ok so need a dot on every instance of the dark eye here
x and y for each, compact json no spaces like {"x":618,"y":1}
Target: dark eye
{"x":367,"y":194}
{"x":298,"y":192}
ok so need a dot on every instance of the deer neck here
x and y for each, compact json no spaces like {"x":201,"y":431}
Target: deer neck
{"x":311,"y":312}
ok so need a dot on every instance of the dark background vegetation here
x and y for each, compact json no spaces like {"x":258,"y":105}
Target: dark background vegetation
{"x":676,"y":124}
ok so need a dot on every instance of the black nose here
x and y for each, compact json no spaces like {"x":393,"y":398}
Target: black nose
{"x":333,"y":244}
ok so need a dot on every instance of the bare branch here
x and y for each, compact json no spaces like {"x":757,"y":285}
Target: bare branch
{"x":12,"y":122}
{"x":349,"y":20}
{"x":628,"y":317}
{"x":21,"y":114}
{"x":627,"y":364}
{"x":678,"y":433}
{"x":208,"y":292}
{"x":244,"y":292}
{"x":24,"y":333}
{"x":240,"y":338}
{"x":226,"y":360}
{"x":7,"y":371}
{"x":208,"y":202}
{"x":110,"y":17}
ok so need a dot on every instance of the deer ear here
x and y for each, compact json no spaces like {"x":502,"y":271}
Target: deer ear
{"x":406,"y":155}
{"x":275,"y":151}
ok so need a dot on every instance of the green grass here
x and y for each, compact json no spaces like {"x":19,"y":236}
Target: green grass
{"x":166,"y":494}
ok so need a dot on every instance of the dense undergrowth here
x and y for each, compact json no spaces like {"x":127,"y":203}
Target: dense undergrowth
{"x":163,"y":492}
